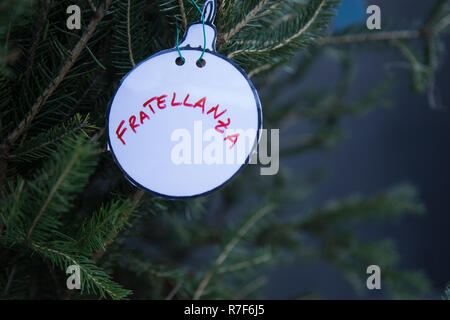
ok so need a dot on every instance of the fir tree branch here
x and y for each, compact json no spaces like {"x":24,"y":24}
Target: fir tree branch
{"x":87,"y":91}
{"x":222,"y":5}
{"x":4,"y":153}
{"x":251,"y":287}
{"x":72,"y":260}
{"x":285,"y":41}
{"x":446,"y":294}
{"x":74,"y":54}
{"x":36,"y":37}
{"x":427,"y":31}
{"x":129,"y":35}
{"x":10,"y":278}
{"x":17,"y":195}
{"x":53,"y":192}
{"x":98,"y":135}
{"x":183,"y":14}
{"x":245,"y":264}
{"x":137,"y":197}
{"x":53,"y":276}
{"x":82,"y":125}
{"x":92,"y":6}
{"x":251,"y":15}
{"x":262,"y":68}
{"x":8,"y":34}
{"x":173,"y":292}
{"x":379,"y":36}
{"x":229,"y":247}
{"x":442,"y":24}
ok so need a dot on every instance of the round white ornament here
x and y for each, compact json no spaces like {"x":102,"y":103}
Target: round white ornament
{"x":182,"y":129}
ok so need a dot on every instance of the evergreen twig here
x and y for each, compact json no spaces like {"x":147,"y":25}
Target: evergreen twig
{"x":136,"y":199}
{"x":76,"y":51}
{"x":259,"y":214}
{"x":129,"y":35}
{"x":286,"y":41}
{"x":251,"y":15}
{"x":53,"y":192}
{"x":183,"y":14}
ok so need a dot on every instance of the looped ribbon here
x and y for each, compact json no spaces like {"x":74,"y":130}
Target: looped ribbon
{"x":209,"y":10}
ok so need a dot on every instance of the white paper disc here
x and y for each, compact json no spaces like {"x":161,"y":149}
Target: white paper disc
{"x":167,"y":123}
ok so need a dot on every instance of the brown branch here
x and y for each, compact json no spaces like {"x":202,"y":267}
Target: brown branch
{"x":251,"y":15}
{"x":129,"y":35}
{"x":379,"y":36}
{"x":82,"y":125}
{"x":229,"y":247}
{"x":8,"y":34}
{"x":54,"y":279}
{"x":98,"y":135}
{"x":183,"y":14}
{"x":37,"y":35}
{"x":73,"y":261}
{"x":4,"y":153}
{"x":10,"y":278}
{"x":262,"y":68}
{"x":427,"y":32}
{"x":92,"y":6}
{"x":136,"y":199}
{"x":75,"y":53}
{"x":173,"y":292}
{"x":285,"y":41}
{"x":53,"y":192}
{"x":251,"y":287}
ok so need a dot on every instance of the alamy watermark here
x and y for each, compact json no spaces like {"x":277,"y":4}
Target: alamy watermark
{"x":194,"y":147}
{"x":74,"y":280}
{"x":374,"y":280}
{"x":374,"y":20}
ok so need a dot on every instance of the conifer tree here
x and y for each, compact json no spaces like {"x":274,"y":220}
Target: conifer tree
{"x":64,"y":202}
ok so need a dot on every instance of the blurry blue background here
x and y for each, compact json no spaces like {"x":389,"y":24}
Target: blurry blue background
{"x":351,"y":12}
{"x":409,"y":142}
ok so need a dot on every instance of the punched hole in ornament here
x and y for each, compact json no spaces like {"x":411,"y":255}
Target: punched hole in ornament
{"x":201,"y":63}
{"x":179,"y":61}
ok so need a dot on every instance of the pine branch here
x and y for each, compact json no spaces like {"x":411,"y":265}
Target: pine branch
{"x":429,"y":30}
{"x":446,"y":295}
{"x":173,"y":292}
{"x":103,"y":225}
{"x":286,"y":41}
{"x":378,"y":36}
{"x":250,"y":16}
{"x":259,"y":214}
{"x":222,"y":4}
{"x":442,"y":24}
{"x":10,"y":278}
{"x":94,"y":9}
{"x":36,"y":37}
{"x":74,"y":54}
{"x":38,"y":146}
{"x":55,"y":187}
{"x":53,"y":191}
{"x":129,"y":35}
{"x":92,"y":276}
{"x":251,"y":287}
{"x":246,"y":264}
{"x":183,"y":14}
{"x":260,"y":69}
{"x":136,"y":199}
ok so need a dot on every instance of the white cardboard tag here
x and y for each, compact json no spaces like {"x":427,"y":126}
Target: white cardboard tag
{"x":184,"y":131}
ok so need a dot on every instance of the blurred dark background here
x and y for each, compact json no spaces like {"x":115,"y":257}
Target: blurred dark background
{"x":406,"y":143}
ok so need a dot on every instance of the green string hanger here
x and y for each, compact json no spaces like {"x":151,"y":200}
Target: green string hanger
{"x":204,"y":35}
